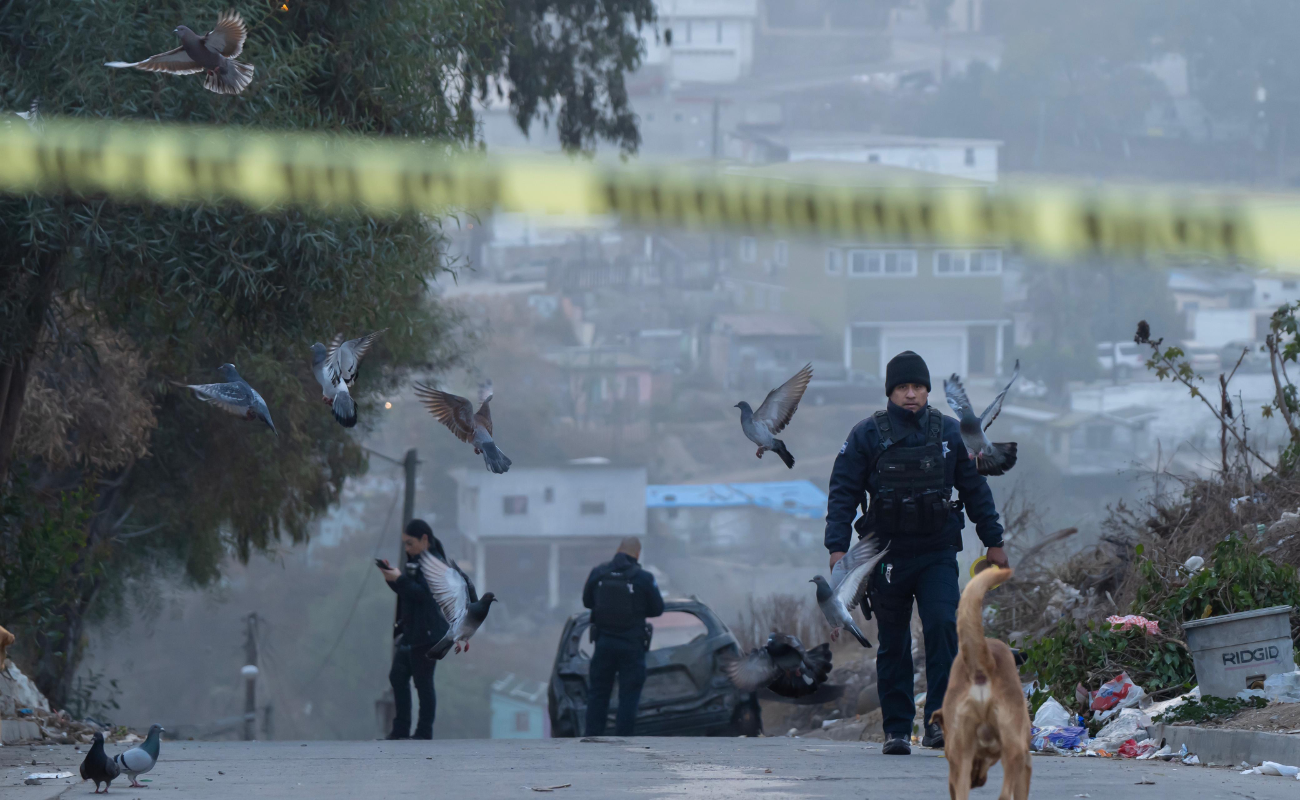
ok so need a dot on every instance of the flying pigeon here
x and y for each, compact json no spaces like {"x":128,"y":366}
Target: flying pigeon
{"x":473,"y":428}
{"x":214,"y":53}
{"x":762,"y":426}
{"x":990,"y":458}
{"x":848,"y":583}
{"x":140,"y":759}
{"x":335,"y":369}
{"x":98,"y":767}
{"x":785,"y":669}
{"x":234,"y":396}
{"x":460,"y":604}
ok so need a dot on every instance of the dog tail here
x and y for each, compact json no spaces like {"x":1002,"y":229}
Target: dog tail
{"x":970,"y":623}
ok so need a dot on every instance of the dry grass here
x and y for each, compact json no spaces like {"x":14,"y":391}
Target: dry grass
{"x":787,"y":613}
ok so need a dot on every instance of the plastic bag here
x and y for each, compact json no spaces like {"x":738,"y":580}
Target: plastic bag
{"x":1066,"y":738}
{"x":1135,"y":749}
{"x":1283,"y":687}
{"x":1274,"y":768}
{"x":1052,"y":714}
{"x":1129,"y":724}
{"x":1134,"y":621}
{"x":1115,"y":694}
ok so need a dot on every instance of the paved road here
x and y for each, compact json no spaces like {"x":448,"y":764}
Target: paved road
{"x":645,"y":768}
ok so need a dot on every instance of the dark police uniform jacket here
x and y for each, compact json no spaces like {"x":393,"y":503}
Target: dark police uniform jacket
{"x":420,"y":621}
{"x":648,"y":598}
{"x":854,"y":476}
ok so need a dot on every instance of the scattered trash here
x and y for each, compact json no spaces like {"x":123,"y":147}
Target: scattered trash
{"x":1135,"y":749}
{"x":1145,"y":782}
{"x":48,"y":776}
{"x":1194,"y":565}
{"x":550,"y":788}
{"x":1118,"y":693}
{"x":1131,"y":621}
{"x":1130,"y":724}
{"x":1273,"y":768}
{"x":1155,"y":709}
{"x":826,"y":723}
{"x":1161,"y":753}
{"x":1283,"y":687}
{"x":1053,"y":739}
{"x":32,"y":781}
{"x":1191,"y":760}
{"x":1051,"y":714}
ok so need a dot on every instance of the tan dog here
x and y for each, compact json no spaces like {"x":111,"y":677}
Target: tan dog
{"x":984,"y":715}
{"x":6,"y":639}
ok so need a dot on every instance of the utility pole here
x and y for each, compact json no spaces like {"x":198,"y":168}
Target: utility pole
{"x":408,"y":502}
{"x":249,"y":672}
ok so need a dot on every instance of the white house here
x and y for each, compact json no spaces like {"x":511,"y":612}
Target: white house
{"x":703,"y":41}
{"x":540,"y":531}
{"x":1272,"y":290}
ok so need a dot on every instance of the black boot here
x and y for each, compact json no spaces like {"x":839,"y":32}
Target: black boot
{"x":896,"y":745}
{"x":933,"y":736}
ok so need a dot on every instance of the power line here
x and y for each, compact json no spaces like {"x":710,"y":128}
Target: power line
{"x":356,"y":600}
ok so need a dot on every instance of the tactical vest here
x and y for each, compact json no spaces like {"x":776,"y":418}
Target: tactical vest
{"x":617,"y":604}
{"x":911,"y":500}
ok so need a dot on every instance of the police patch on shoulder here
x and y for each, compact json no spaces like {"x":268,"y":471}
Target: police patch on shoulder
{"x":945,"y":449}
{"x":845,"y":446}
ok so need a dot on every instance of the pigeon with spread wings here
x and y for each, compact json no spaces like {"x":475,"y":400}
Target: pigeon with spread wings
{"x":838,"y":597}
{"x":990,"y":458}
{"x":234,"y":396}
{"x":783,"y":668}
{"x":213,"y":53}
{"x":762,"y":426}
{"x":460,"y":604}
{"x":470,"y":427}
{"x":335,"y":369}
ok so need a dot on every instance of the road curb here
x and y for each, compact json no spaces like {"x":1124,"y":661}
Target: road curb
{"x":1230,"y":747}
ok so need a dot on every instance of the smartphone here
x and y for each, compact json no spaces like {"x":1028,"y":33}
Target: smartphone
{"x":382,"y":563}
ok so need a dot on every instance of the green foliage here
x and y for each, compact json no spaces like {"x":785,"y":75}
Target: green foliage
{"x":1235,"y":579}
{"x":1208,"y":708}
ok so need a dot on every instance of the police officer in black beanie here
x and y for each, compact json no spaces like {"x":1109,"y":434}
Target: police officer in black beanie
{"x":420,"y":625}
{"x":909,"y":458}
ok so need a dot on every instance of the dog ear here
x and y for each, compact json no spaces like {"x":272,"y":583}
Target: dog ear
{"x":937,"y":718}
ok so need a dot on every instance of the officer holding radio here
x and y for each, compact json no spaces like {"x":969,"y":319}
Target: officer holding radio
{"x":909,"y":458}
{"x":621,"y":596}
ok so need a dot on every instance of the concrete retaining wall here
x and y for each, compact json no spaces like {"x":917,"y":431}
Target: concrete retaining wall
{"x":1219,"y":746}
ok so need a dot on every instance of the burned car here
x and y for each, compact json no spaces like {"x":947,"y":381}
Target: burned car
{"x":685,"y":693}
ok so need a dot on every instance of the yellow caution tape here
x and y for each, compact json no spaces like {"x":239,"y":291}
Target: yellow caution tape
{"x":182,"y":164}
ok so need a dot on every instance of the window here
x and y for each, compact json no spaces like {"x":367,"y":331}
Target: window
{"x":719,"y":31}
{"x":676,"y":628}
{"x":834,"y":261}
{"x":521,"y":722}
{"x":967,"y":262}
{"x":469,"y":496}
{"x":887,"y":263}
{"x":970,"y":156}
{"x":513,"y":505}
{"x":591,"y":508}
{"x":548,"y":495}
{"x":781,"y":252}
{"x":688,"y":31}
{"x":748,"y":249}
{"x":861,"y":337}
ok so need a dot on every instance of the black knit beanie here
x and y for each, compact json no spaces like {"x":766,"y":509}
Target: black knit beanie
{"x":906,"y":367}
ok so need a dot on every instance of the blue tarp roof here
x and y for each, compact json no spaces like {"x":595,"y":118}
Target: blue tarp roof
{"x":797,"y":498}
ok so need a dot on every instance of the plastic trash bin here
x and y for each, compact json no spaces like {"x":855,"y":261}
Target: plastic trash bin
{"x":1234,"y":652}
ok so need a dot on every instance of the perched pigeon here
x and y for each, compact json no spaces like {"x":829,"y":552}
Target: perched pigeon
{"x":140,"y":759}
{"x":214,"y":53}
{"x":234,"y":396}
{"x":848,"y":583}
{"x":473,"y":428}
{"x":460,"y":604}
{"x":785,"y":669}
{"x":335,"y":369}
{"x":98,"y":767}
{"x":762,"y":426}
{"x":990,"y":458}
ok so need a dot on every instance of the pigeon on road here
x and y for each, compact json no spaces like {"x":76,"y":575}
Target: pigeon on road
{"x":234,"y":396}
{"x":335,"y":369}
{"x":848,"y":583}
{"x":473,"y":428}
{"x":140,"y":759}
{"x":214,"y":53}
{"x":98,"y":767}
{"x":990,"y":458}
{"x":460,"y":604}
{"x":762,"y":426}
{"x":784,"y":668}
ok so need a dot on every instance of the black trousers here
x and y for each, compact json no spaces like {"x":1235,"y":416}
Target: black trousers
{"x":626,"y":660}
{"x":409,"y":664}
{"x":931,"y":581}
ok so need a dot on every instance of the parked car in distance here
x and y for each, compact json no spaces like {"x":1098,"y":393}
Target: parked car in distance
{"x":1205,"y":360}
{"x":685,"y":693}
{"x":1126,"y":358}
{"x":1254,"y":361}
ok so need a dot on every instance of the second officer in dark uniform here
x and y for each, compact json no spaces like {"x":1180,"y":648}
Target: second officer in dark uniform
{"x":909,"y":458}
{"x":620,"y":595}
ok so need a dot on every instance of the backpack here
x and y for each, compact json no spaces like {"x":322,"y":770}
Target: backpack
{"x":617,"y":605}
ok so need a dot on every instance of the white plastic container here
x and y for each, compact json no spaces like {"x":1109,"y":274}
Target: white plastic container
{"x":1234,"y":652}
